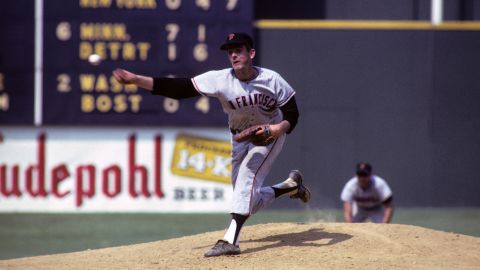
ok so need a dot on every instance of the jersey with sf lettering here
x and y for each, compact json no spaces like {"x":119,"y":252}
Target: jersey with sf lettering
{"x":247,"y":103}
{"x":377,"y":192}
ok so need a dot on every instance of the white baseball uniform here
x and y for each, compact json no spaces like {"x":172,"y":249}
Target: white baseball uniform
{"x":247,"y":104}
{"x":366,"y":203}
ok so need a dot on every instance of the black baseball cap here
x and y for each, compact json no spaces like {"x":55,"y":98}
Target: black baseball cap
{"x":236,"y":39}
{"x":363,"y":169}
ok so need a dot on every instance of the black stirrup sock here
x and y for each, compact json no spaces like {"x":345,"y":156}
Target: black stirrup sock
{"x":239,"y":220}
{"x":280,"y":191}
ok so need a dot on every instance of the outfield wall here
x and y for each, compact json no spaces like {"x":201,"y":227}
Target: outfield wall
{"x":405,"y":100}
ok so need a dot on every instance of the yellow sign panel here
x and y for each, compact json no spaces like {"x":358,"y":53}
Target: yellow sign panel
{"x":202,"y":158}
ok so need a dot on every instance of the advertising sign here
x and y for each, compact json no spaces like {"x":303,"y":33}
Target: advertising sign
{"x":114,"y":170}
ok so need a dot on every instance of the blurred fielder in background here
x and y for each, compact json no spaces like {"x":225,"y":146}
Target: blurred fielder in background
{"x":251,"y":96}
{"x":367,"y":196}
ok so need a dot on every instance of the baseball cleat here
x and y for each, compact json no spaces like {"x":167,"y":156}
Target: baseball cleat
{"x":222,"y":247}
{"x":302,"y":193}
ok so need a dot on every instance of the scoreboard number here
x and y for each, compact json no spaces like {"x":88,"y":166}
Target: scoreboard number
{"x":64,"y":31}
{"x":203,"y":4}
{"x":203,"y":105}
{"x":63,"y":83}
{"x":171,"y":105}
{"x":173,"y":4}
{"x":231,"y":4}
{"x":172,"y":30}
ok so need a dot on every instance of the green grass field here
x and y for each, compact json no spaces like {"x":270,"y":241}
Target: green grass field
{"x":23,"y":235}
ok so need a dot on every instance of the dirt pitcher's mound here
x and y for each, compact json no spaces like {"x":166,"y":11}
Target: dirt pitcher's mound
{"x":285,"y":246}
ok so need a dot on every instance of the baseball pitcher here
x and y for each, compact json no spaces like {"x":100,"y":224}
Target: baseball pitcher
{"x":261,"y":110}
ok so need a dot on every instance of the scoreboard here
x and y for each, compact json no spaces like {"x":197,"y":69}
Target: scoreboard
{"x":17,"y":62}
{"x":174,"y":38}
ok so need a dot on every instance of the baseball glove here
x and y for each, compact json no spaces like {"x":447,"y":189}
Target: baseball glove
{"x":258,"y":135}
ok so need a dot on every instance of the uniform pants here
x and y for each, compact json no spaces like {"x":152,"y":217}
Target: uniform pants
{"x":360,"y":214}
{"x":250,"y":166}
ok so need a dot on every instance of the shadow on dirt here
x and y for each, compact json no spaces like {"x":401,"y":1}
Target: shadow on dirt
{"x":299,"y":239}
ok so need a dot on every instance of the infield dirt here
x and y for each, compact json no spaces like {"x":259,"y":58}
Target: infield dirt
{"x":284,"y":246}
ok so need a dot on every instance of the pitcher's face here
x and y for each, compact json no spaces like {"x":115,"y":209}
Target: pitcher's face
{"x":240,"y":57}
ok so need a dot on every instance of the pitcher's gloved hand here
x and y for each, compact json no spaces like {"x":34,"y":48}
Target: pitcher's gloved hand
{"x":258,"y":135}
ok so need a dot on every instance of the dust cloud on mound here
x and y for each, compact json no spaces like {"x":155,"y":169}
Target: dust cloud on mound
{"x":284,"y":246}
